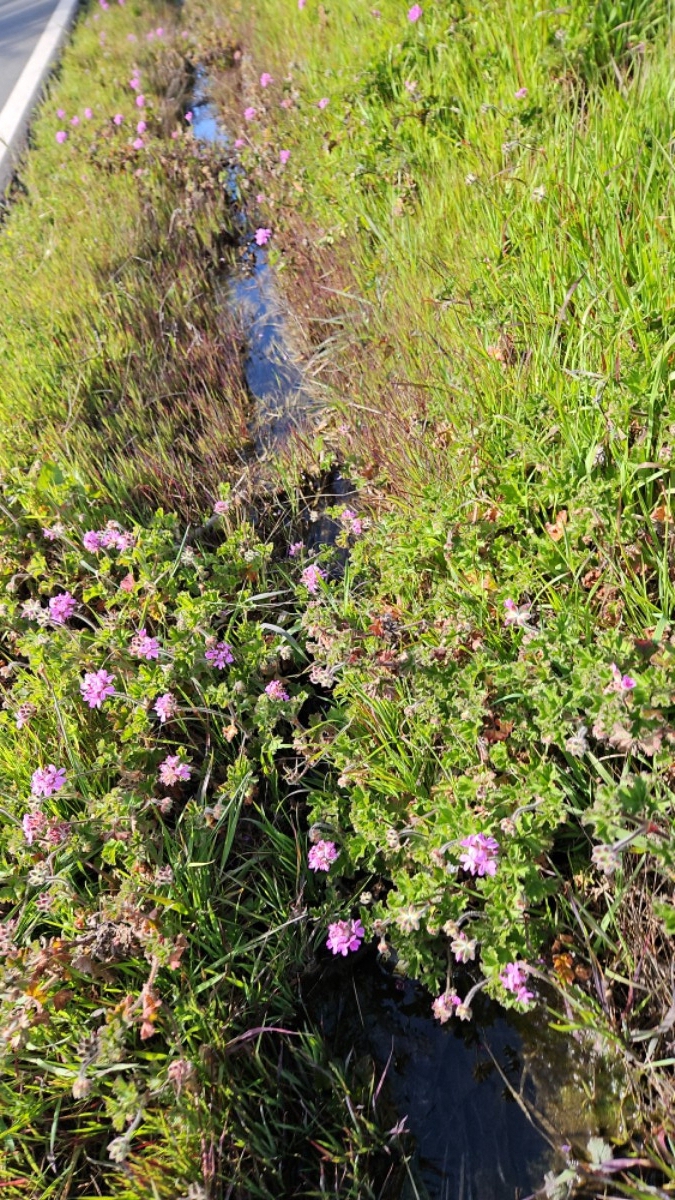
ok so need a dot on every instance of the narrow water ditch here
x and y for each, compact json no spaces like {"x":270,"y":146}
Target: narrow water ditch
{"x":493,"y":1105}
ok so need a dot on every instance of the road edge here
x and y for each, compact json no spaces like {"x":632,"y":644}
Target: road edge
{"x":16,"y":114}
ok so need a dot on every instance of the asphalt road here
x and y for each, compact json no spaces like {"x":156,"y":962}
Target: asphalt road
{"x":21,"y":23}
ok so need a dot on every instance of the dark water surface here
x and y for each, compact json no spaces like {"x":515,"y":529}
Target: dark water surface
{"x":473,"y":1140}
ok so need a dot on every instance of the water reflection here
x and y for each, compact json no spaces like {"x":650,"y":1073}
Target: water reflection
{"x":473,"y":1140}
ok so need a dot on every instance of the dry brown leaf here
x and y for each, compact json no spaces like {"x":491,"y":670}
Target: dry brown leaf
{"x":557,"y":529}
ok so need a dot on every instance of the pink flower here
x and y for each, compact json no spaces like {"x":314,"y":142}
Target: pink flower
{"x":61,"y":136}
{"x":88,"y":113}
{"x":96,"y":687}
{"x":52,"y":534}
{"x":141,"y":127}
{"x":250,"y":113}
{"x":239,"y":144}
{"x":321,"y":855}
{"x":266,"y":79}
{"x":351,"y":522}
{"x":24,"y":713}
{"x":75,"y":121}
{"x":323,"y":102}
{"x":114,"y":538}
{"x":221,"y":507}
{"x":513,"y":978}
{"x":260,"y":198}
{"x":521,"y":93}
{"x":295,"y":549}
{"x":301,"y":4}
{"x":220,"y":655}
{"x":160,"y":32}
{"x":443,"y":1005}
{"x":517,"y":615}
{"x":620,"y":683}
{"x":481,"y":854}
{"x":128,"y":583}
{"x":172,"y":771}
{"x":262,"y":236}
{"x":60,"y":112}
{"x":165,"y":706}
{"x":134,"y":83}
{"x":276,"y":691}
{"x":33,"y":824}
{"x":188,"y":117}
{"x":284,"y":156}
{"x":415,"y":13}
{"x":92,"y":541}
{"x":47,"y":780}
{"x":311,"y":577}
{"x":117,"y":119}
{"x":140,"y":101}
{"x":344,"y":936}
{"x":143,"y":646}
{"x":57,"y":832}
{"x":138,"y":143}
{"x":62,"y":607}
{"x":463,"y":948}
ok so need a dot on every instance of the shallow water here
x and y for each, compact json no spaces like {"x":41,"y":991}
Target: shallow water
{"x":273,"y":374}
{"x":491,"y":1102}
{"x":473,"y":1140}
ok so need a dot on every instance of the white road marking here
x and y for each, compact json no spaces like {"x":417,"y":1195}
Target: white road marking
{"x":16,"y":113}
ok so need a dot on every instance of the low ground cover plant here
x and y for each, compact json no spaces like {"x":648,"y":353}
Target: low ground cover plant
{"x":152,"y":873}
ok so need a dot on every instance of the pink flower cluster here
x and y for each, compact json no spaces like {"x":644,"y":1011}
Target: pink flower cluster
{"x":344,"y":936}
{"x":311,"y":577}
{"x":172,"y":771}
{"x":352,"y":523}
{"x":513,"y":978}
{"x":35,"y":825}
{"x":144,"y":646}
{"x":444,"y":1006}
{"x":47,"y":780}
{"x":96,"y":687}
{"x":62,"y":607}
{"x":276,"y":690}
{"x":321,"y":855}
{"x":481,"y":854}
{"x":262,"y":236}
{"x":220,"y":655}
{"x":414,"y":13}
{"x":113,"y":537}
{"x":165,"y":706}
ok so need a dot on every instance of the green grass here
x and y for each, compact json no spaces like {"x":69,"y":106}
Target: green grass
{"x":487,"y":279}
{"x":486,"y":284}
{"x":113,"y":353}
